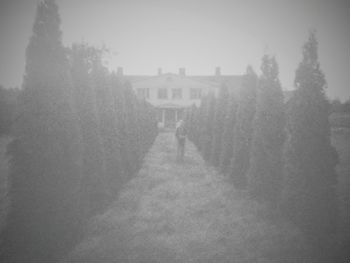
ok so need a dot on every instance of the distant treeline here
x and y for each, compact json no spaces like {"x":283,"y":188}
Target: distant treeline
{"x":79,"y":133}
{"x":340,"y":107}
{"x":278,"y":152}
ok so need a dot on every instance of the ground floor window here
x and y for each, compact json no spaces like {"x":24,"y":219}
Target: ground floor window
{"x":177,"y":94}
{"x":143,"y":93}
{"x":195,"y":93}
{"x":162,"y":93}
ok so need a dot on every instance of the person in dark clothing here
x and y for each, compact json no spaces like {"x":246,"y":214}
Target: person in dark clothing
{"x":180,"y":134}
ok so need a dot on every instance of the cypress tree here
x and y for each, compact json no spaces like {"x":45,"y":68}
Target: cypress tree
{"x":94,"y":183}
{"x":209,"y":127}
{"x":191,"y":123}
{"x":147,"y":125}
{"x":265,"y":171}
{"x":46,"y":216}
{"x":309,"y":196}
{"x":8,"y":103}
{"x":219,"y":123}
{"x":243,"y":129}
{"x":202,"y":120}
{"x":105,"y":87}
{"x":131,"y":135}
{"x":228,"y":134}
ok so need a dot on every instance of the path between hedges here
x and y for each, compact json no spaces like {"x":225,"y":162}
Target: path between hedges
{"x":187,"y":212}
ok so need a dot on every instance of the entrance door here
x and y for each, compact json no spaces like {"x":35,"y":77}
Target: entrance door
{"x":170,"y":118}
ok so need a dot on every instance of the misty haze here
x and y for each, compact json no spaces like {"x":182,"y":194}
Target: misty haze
{"x":174,"y":131}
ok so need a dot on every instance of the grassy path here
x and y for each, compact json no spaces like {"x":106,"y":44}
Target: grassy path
{"x":186,"y":213}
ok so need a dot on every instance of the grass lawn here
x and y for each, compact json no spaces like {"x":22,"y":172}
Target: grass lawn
{"x":187,"y":212}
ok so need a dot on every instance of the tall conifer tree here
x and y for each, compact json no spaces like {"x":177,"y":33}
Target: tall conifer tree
{"x":94,"y":184}
{"x":309,"y":197}
{"x":8,"y":101}
{"x":243,"y":128}
{"x":222,"y":102}
{"x":265,"y":171}
{"x":132,"y":137}
{"x":109,"y":111}
{"x":202,"y":120}
{"x":209,"y":127}
{"x":46,"y":213}
{"x":228,"y":134}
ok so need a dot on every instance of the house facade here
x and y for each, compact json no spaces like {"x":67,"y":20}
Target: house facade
{"x":172,"y":93}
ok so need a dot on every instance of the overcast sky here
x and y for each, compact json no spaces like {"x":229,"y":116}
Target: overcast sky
{"x":198,"y":35}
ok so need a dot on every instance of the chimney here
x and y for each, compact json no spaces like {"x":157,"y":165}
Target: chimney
{"x":160,"y":72}
{"x":120,"y":71}
{"x":182,"y":71}
{"x":217,"y":71}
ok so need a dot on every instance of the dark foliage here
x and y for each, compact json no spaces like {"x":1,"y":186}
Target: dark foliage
{"x":46,"y":214}
{"x":79,"y":134}
{"x":208,"y":136}
{"x":244,"y":129}
{"x":222,"y":102}
{"x":94,"y":189}
{"x":8,"y":101}
{"x":265,"y":171}
{"x":228,"y":134}
{"x":340,"y":107}
{"x":309,"y":197}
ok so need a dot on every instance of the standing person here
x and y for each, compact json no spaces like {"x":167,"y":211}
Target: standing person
{"x":180,"y":134}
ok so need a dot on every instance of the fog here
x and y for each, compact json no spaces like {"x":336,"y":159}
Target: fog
{"x":174,"y":131}
{"x":198,"y":35}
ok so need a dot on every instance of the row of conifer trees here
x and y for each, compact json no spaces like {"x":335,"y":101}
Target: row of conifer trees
{"x":279,"y":152}
{"x":79,"y":134}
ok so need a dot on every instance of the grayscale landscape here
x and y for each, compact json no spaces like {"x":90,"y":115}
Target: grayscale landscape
{"x":174,"y":131}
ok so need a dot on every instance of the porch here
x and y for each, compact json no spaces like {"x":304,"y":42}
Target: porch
{"x":168,"y":117}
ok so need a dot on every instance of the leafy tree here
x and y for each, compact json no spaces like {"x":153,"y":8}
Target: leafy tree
{"x":309,"y":197}
{"x":46,"y":214}
{"x":265,"y":171}
{"x":228,"y":134}
{"x":243,"y":129}
{"x":219,"y":123}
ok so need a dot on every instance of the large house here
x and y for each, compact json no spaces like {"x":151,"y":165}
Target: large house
{"x":172,"y":93}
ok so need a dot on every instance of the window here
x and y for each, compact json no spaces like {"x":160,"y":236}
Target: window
{"x":177,"y":94}
{"x":143,"y":93}
{"x":162,"y":93}
{"x":195,"y":93}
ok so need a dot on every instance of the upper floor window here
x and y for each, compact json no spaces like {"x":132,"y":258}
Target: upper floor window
{"x":143,"y":93}
{"x":162,"y":93}
{"x":195,"y":93}
{"x":177,"y":94}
